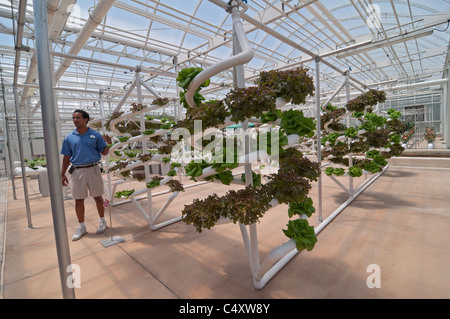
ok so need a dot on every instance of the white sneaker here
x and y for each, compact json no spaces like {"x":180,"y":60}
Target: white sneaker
{"x":81,"y":230}
{"x":101,"y":227}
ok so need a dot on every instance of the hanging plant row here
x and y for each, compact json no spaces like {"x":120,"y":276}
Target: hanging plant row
{"x":290,"y":185}
{"x":372,"y":140}
{"x":125,"y":161}
{"x":376,"y":137}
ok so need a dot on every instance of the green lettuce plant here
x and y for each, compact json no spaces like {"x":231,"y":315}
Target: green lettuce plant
{"x":355,"y":171}
{"x":156,"y":181}
{"x":300,"y":207}
{"x":302,"y":233}
{"x":184,"y":78}
{"x":294,"y":122}
{"x":124,"y":193}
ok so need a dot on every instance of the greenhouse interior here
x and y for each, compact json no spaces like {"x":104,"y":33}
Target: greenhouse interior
{"x":327,"y":179}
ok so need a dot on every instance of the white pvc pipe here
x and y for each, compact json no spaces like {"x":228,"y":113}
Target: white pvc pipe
{"x":149,"y":88}
{"x":125,"y":201}
{"x":259,"y":284}
{"x":126,"y":95}
{"x":245,"y":56}
{"x":166,"y":223}
{"x":252,"y":157}
{"x":161,"y":211}
{"x":94,"y":20}
{"x":334,"y":94}
{"x":416,"y":85}
{"x":52,"y":5}
{"x":274,"y":255}
{"x":367,"y":183}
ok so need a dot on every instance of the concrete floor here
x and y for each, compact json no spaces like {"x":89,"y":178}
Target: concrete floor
{"x":400,"y":224}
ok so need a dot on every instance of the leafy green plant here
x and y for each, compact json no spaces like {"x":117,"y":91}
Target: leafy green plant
{"x":331,"y":137}
{"x":156,"y":181}
{"x":160,"y":101}
{"x":148,"y":132}
{"x":302,"y":233}
{"x":123,"y":139}
{"x":225,"y":177}
{"x":137,"y":107}
{"x":338,"y":171}
{"x":377,"y":120}
{"x":355,"y":171}
{"x":294,"y":122}
{"x":329,"y":171}
{"x":372,"y":167}
{"x":271,"y":116}
{"x":175,"y":186}
{"x":40,"y":161}
{"x":393,"y":114}
{"x":351,"y":132}
{"x":289,"y":185}
{"x":395,"y":138}
{"x":130,"y":154}
{"x":124,"y":193}
{"x":243,"y":103}
{"x":256,"y":179}
{"x":369,"y":98}
{"x":245,"y":206}
{"x":194,"y":169}
{"x":171,"y":172}
{"x":282,"y":141}
{"x":184,"y":78}
{"x":301,"y":207}
{"x":291,"y":85}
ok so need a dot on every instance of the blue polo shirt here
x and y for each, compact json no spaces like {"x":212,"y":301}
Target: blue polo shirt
{"x":84,"y":148}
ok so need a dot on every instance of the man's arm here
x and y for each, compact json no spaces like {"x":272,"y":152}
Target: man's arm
{"x":65,"y":165}
{"x":108,"y":141}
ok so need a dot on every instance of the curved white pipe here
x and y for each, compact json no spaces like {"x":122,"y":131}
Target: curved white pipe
{"x":245,"y":56}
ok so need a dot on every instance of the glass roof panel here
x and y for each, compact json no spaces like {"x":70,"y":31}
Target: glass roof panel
{"x":405,"y":40}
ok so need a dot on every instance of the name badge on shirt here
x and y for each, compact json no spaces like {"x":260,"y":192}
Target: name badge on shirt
{"x":92,"y":136}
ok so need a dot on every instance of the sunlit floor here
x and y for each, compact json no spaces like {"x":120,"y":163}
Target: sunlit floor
{"x":393,"y":241}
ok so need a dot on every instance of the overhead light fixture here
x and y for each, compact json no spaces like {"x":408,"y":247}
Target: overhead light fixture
{"x":386,"y":42}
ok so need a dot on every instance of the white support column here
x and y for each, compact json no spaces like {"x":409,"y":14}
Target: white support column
{"x":22,"y":157}
{"x":51,"y":146}
{"x":445,"y":108}
{"x":144,"y":144}
{"x":350,"y":156}
{"x":319,"y":138}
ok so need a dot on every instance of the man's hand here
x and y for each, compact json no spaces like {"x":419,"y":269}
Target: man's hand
{"x":107,"y":139}
{"x":64,"y":180}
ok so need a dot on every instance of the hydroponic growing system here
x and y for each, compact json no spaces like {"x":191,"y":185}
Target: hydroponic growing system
{"x":344,"y":146}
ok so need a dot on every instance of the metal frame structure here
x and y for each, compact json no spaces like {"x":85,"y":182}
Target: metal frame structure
{"x":95,"y":49}
{"x":406,"y":46}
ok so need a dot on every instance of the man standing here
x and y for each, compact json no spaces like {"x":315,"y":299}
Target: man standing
{"x":83,"y":148}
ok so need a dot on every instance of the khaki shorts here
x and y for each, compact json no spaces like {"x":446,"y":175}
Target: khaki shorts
{"x":84,"y":179}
